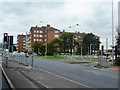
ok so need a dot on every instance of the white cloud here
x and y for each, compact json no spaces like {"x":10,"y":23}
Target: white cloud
{"x":93,"y":16}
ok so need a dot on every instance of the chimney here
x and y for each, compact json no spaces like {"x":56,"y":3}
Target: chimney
{"x":48,"y":25}
{"x":63,"y":31}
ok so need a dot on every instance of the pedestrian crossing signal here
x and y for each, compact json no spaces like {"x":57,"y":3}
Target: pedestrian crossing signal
{"x":5,"y":37}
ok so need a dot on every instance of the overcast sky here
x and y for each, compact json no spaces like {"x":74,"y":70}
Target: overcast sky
{"x":17,"y":16}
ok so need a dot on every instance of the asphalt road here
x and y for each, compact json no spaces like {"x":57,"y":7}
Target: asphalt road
{"x":93,"y":77}
{"x":84,"y":74}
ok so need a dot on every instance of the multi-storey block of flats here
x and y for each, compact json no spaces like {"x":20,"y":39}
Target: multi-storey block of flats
{"x":43,"y":34}
{"x":21,"y":42}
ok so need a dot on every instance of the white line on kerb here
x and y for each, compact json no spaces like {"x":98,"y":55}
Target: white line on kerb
{"x":65,"y":78}
{"x":36,"y":81}
{"x":9,"y":81}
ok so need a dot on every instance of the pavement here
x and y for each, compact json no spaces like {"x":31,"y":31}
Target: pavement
{"x":21,"y":76}
{"x":114,"y":68}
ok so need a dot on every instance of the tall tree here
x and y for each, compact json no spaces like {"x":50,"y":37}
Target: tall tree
{"x":118,"y":37}
{"x":90,"y":41}
{"x":54,"y":47}
{"x":117,"y":49}
{"x":66,"y":43}
{"x":39,"y":48}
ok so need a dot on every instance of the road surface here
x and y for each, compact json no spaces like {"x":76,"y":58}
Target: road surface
{"x":85,"y":74}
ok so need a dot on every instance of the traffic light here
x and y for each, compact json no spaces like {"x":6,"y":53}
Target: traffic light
{"x":10,"y":40}
{"x":5,"y":38}
{"x":102,"y":49}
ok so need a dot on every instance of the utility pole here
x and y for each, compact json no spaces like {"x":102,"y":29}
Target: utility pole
{"x":81,"y":51}
{"x":46,"y":42}
{"x":106,"y":50}
{"x":73,"y":51}
{"x":112,"y":35}
{"x":26,"y":42}
{"x":90,"y":49}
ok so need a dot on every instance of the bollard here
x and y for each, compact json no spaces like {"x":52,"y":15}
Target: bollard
{"x":32,"y":62}
{"x":6,"y":58}
{"x":25,"y":58}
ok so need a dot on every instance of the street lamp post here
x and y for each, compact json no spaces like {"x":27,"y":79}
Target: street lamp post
{"x":112,"y":35}
{"x":73,"y":37}
{"x":90,"y":49}
{"x":46,"y":40}
{"x":81,"y":51}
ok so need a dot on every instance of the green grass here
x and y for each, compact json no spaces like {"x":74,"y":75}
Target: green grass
{"x":67,"y":57}
{"x":85,"y":58}
{"x":53,"y":57}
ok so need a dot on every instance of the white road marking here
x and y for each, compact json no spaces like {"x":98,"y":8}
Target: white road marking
{"x":65,"y":78}
{"x":97,"y":73}
{"x":9,"y":81}
{"x":37,"y":81}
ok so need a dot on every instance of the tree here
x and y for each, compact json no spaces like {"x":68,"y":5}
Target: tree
{"x":118,"y":37}
{"x":39,"y":48}
{"x":117,"y":48}
{"x":90,"y":39}
{"x":66,"y":43}
{"x":54,"y":47}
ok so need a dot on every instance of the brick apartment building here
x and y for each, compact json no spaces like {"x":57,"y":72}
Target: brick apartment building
{"x":44,"y":34}
{"x":21,"y":42}
{"x":80,"y":37}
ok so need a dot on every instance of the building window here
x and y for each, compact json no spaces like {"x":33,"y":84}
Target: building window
{"x":40,"y":39}
{"x":37,"y":31}
{"x":56,"y":36}
{"x":41,"y":31}
{"x":23,"y":40}
{"x":45,"y":40}
{"x":56,"y":31}
{"x":34,"y":39}
{"x":34,"y":35}
{"x":45,"y":35}
{"x":41,"y":35}
{"x":34,"y":31}
{"x":37,"y":35}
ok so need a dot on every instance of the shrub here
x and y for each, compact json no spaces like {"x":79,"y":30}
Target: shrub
{"x":117,"y":61}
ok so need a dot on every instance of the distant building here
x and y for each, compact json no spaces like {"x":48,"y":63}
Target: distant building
{"x":21,"y":43}
{"x":80,"y":37}
{"x":43,"y":35}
